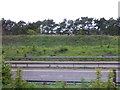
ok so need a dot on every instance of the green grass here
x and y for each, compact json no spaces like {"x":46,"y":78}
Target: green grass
{"x":60,"y":46}
{"x":33,"y":85}
{"x":65,"y":51}
{"x":57,"y":85}
{"x":53,"y":41}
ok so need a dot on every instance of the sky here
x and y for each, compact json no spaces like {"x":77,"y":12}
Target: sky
{"x":34,"y":10}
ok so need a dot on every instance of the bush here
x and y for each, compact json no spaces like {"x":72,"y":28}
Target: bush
{"x":97,"y":83}
{"x":8,"y":81}
{"x":38,"y":30}
{"x":63,"y":49}
{"x":110,"y":83}
{"x":6,"y":73}
{"x":34,"y":47}
{"x":18,"y":82}
{"x":31,"y":32}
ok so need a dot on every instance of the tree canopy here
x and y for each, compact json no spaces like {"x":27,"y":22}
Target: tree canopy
{"x":80,"y":26}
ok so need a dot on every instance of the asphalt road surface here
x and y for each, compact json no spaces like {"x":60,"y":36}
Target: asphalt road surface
{"x":62,"y":74}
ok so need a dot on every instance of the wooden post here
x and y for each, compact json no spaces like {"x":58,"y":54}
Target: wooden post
{"x":114,"y":79}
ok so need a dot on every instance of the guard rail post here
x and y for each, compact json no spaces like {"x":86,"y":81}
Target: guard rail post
{"x":114,"y":78}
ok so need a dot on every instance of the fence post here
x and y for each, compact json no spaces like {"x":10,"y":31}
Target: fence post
{"x":114,"y":78}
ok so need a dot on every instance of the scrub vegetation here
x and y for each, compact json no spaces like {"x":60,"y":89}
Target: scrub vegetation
{"x":60,"y":46}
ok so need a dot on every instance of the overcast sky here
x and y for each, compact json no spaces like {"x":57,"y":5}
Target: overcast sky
{"x":34,"y":10}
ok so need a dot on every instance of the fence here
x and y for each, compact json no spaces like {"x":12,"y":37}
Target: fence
{"x":63,"y":63}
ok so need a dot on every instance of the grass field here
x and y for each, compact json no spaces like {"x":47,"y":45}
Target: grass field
{"x":60,"y":46}
{"x":62,"y":84}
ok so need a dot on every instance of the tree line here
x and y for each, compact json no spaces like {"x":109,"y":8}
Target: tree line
{"x":80,"y":26}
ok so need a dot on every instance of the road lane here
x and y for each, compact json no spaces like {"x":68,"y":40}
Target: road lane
{"x":62,"y":74}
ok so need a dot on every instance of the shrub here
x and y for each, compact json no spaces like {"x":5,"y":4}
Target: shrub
{"x":109,"y":82}
{"x":31,"y":32}
{"x":34,"y":47}
{"x":18,"y":82}
{"x":44,"y":50}
{"x":6,"y":73}
{"x":38,"y":30}
{"x":97,"y":82}
{"x":63,"y":49}
{"x":7,"y":79}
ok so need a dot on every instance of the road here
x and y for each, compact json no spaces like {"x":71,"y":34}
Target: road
{"x":62,"y":74}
